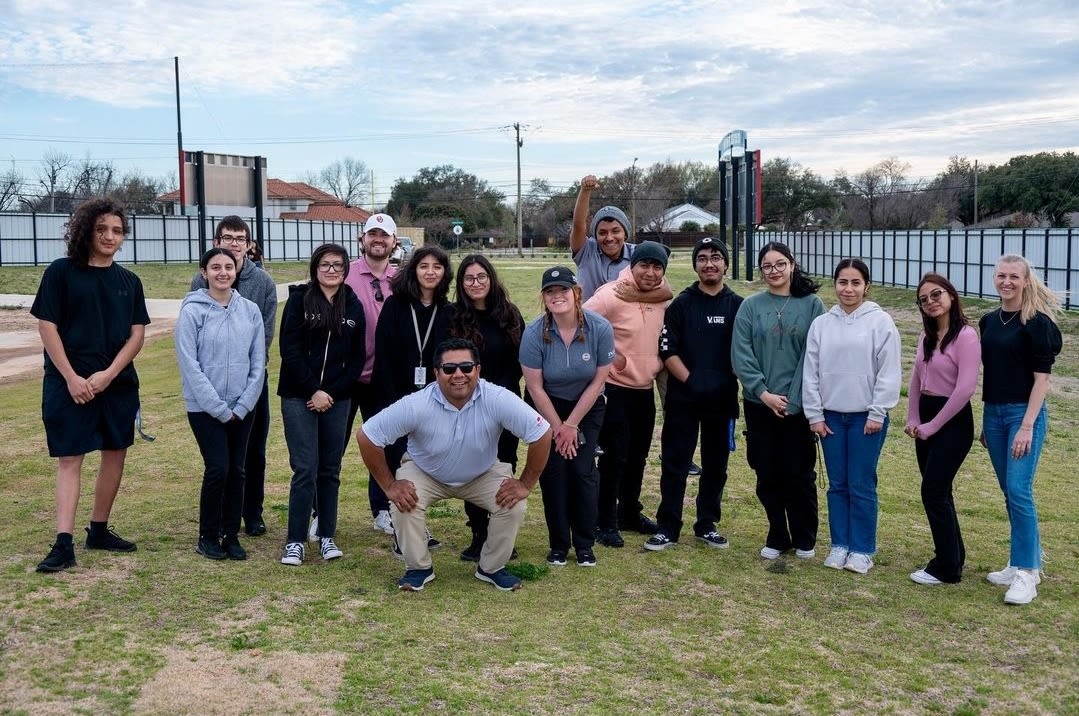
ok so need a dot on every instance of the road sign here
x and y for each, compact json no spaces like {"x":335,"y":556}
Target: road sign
{"x":456,"y":222}
{"x":457,"y":230}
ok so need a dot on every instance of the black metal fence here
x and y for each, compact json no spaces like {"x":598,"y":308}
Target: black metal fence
{"x":966,"y":256}
{"x":35,"y":239}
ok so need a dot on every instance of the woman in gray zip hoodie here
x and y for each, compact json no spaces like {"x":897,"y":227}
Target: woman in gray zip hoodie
{"x":221,"y":349}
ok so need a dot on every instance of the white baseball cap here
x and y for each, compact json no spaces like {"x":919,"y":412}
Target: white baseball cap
{"x":380,"y":221}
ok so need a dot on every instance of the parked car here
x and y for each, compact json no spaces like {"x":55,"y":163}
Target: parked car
{"x":403,"y":252}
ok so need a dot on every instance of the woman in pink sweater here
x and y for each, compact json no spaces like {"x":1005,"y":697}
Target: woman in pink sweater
{"x":940,"y":419}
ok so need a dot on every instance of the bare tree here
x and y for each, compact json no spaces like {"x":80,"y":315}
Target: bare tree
{"x":51,"y":176}
{"x":10,"y":186}
{"x":347,"y":179}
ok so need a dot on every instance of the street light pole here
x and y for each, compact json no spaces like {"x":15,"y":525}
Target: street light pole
{"x":520,"y":227}
{"x":633,"y":200}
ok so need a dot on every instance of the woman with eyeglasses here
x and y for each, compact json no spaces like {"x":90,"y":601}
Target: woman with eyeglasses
{"x":940,"y":418}
{"x":1020,"y":342}
{"x":322,"y":351}
{"x":566,"y":355}
{"x":221,"y":350}
{"x":768,"y":353}
{"x":850,"y":381}
{"x":414,"y":319}
{"x":484,"y":315}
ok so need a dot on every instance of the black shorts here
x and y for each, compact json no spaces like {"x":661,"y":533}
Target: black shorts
{"x":105,"y":423}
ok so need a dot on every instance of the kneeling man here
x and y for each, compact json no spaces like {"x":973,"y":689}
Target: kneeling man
{"x":453,"y":427}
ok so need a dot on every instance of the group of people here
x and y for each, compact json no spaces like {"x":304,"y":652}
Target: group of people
{"x":438,"y":385}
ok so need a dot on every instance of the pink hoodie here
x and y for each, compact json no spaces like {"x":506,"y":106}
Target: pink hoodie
{"x":637,"y":326}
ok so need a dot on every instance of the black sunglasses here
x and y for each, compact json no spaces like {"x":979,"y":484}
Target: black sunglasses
{"x":451,"y":368}
{"x":376,"y":284}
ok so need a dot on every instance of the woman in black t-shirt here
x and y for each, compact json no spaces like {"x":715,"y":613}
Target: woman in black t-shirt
{"x":1020,"y":341}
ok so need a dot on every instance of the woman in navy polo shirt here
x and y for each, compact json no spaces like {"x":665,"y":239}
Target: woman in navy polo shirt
{"x":566,"y":355}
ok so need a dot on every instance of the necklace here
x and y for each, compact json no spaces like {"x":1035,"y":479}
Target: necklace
{"x":1000,"y":315}
{"x":779,"y":311}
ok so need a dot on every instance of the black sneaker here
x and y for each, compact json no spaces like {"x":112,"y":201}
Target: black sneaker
{"x":641,"y":523}
{"x":694,"y":469}
{"x":210,"y":549}
{"x":659,"y":541}
{"x":586,"y":558}
{"x":714,"y":539}
{"x":59,"y":557}
{"x":609,"y":538}
{"x":556,"y":558}
{"x":255,"y":528}
{"x":472,"y":552}
{"x":233,"y":548}
{"x":108,"y":540}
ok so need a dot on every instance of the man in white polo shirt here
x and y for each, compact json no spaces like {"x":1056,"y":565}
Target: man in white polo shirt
{"x":453,"y":427}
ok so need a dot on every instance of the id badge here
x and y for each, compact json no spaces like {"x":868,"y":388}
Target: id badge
{"x":419,"y":376}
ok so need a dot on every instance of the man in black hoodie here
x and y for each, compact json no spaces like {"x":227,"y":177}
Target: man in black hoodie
{"x":702,"y":396}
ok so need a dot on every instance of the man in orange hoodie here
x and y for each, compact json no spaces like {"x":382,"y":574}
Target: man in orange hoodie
{"x":634,"y":304}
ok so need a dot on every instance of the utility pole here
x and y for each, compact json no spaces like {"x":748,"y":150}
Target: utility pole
{"x":975,"y":192}
{"x":633,"y":201}
{"x":179,"y":134}
{"x":520,"y":226}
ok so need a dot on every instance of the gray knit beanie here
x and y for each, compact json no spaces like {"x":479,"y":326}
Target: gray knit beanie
{"x":611,"y":212}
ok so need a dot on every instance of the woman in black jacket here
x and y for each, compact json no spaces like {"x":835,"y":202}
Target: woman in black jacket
{"x":322,"y":354}
{"x":485,"y":315}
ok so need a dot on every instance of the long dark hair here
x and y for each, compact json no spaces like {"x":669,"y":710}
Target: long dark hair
{"x":801,"y":283}
{"x":405,"y":284}
{"x":318,"y":312}
{"x":956,"y":318}
{"x":80,"y":229}
{"x":465,"y":322}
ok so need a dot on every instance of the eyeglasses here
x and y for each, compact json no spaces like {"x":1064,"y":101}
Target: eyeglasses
{"x":451,"y":368}
{"x":933,"y":297}
{"x":777,"y":267}
{"x":476,"y":279}
{"x":713,"y":259}
{"x":376,"y":286}
{"x":227,"y":239}
{"x":335,"y":267}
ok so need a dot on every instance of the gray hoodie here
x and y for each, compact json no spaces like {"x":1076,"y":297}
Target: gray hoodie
{"x":852,"y":363}
{"x":255,"y":285}
{"x":222,"y":354}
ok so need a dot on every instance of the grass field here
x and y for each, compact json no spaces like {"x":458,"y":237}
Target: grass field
{"x":685,"y":631}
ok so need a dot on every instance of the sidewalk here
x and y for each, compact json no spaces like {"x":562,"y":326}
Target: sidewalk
{"x":20,"y":348}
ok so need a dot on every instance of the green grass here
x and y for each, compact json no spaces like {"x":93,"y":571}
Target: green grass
{"x":690,"y":630}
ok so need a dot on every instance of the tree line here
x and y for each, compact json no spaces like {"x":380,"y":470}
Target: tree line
{"x":1033,"y":189}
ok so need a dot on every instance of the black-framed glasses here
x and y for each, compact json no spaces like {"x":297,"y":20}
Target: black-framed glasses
{"x":376,"y":286}
{"x":336,"y":267}
{"x":478,"y":279}
{"x":933,"y":297}
{"x":227,"y":239}
{"x":777,"y":267}
{"x":716,"y":259}
{"x":451,"y":368}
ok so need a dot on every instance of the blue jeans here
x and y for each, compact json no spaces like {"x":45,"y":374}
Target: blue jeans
{"x":315,"y":442}
{"x":1000,"y":423}
{"x":851,"y":458}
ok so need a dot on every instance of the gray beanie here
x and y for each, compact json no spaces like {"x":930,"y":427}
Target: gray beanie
{"x":611,"y":212}
{"x":649,"y":251}
{"x":710,"y":242}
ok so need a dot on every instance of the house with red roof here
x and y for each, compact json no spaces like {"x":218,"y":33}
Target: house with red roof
{"x":286,"y":200}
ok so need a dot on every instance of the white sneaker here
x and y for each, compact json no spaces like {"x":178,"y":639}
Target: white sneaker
{"x":858,"y":562}
{"x":293,"y":554}
{"x":329,"y":549}
{"x":383,"y":523}
{"x":836,"y":558}
{"x":924,"y":577}
{"x":1023,"y":589}
{"x":770,"y":553}
{"x":312,"y":531}
{"x":805,"y":553}
{"x":1004,"y":577}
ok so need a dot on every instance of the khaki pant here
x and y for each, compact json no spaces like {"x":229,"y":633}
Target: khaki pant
{"x":411,"y":526}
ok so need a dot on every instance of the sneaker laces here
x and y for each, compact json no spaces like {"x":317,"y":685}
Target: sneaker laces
{"x":328,"y":545}
{"x":294,"y":549}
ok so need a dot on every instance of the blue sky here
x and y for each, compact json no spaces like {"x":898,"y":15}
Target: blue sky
{"x":412,"y":84}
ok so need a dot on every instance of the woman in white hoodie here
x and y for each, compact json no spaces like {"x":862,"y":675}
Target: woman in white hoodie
{"x":850,"y":381}
{"x":221,"y":349}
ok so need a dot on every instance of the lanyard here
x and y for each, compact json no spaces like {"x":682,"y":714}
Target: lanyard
{"x":416,"y":328}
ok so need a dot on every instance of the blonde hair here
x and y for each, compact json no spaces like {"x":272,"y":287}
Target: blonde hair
{"x":1036,"y":295}
{"x":580,"y":316}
